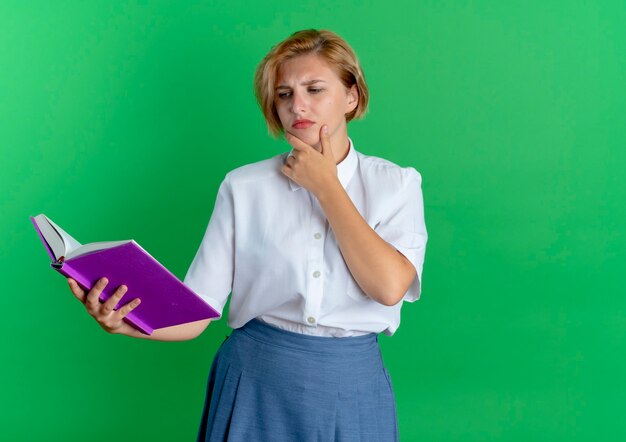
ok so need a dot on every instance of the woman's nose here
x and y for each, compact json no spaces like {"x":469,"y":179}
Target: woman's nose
{"x":298,"y":103}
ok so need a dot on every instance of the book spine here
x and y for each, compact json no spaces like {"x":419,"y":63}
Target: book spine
{"x":66,"y":270}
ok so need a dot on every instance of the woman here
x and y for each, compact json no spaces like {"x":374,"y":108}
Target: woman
{"x":318,"y":247}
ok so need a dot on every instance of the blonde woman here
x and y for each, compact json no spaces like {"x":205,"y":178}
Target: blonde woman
{"x":319,"y":247}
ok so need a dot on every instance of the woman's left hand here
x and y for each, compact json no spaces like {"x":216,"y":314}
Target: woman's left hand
{"x":314,"y":170}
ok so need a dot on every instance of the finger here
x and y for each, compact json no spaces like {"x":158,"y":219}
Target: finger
{"x":290,"y":161}
{"x":297,"y":144}
{"x":122,"y":312}
{"x":290,"y":157}
{"x":94,"y":293}
{"x":286,"y":170}
{"x":325,"y":141}
{"x":110,"y":303}
{"x":76,"y":290}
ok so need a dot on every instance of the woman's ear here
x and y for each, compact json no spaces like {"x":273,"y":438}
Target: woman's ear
{"x":352,"y":98}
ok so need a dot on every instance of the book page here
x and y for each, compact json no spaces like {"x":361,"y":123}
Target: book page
{"x":69,"y":242}
{"x":94,"y":247}
{"x":51,"y":236}
{"x":63,"y":244}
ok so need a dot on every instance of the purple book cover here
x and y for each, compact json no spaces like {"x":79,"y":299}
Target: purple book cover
{"x":165,"y":300}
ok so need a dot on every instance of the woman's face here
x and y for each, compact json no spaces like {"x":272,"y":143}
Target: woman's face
{"x":308,"y":95}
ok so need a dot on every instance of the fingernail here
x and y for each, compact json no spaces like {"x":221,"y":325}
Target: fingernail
{"x":325,"y":129}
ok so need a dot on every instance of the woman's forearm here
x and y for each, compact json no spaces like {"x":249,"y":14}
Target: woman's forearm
{"x":381,"y":271}
{"x":182,"y":332}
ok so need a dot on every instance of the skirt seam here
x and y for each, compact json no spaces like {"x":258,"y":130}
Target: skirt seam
{"x":297,"y":349}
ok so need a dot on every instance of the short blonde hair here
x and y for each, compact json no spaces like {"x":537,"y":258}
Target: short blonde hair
{"x":330,"y":47}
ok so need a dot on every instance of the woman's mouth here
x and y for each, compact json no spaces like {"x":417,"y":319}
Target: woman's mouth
{"x":302,"y":124}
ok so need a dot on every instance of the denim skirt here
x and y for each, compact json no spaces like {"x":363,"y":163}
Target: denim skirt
{"x":269,"y":384}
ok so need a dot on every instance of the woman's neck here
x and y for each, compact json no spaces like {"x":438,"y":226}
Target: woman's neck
{"x":340,"y":145}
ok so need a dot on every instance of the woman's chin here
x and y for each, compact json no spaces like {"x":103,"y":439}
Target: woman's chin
{"x":309,"y":137}
{"x":312,"y":141}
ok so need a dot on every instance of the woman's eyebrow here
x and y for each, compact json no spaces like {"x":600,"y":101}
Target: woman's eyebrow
{"x":304,"y":83}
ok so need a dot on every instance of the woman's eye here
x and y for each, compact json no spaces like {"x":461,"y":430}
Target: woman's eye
{"x":315,"y":90}
{"x":283,"y":95}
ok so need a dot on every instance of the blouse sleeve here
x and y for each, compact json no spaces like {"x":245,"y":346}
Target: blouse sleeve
{"x":404,"y":228}
{"x":211,"y":272}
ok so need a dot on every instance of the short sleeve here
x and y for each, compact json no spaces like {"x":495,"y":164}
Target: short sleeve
{"x":211,"y":272}
{"x":404,"y":227}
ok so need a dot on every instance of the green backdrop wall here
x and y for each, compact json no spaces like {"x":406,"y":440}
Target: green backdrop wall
{"x":119,"y":120}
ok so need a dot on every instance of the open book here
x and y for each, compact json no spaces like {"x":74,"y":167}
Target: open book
{"x":165,"y":300}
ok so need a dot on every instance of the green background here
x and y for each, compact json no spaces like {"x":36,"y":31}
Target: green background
{"x":118,"y":120}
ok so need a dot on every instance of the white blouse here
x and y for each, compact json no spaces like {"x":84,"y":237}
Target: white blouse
{"x":270,"y":244}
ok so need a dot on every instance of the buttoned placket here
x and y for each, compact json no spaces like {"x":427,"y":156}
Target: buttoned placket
{"x":315,"y":263}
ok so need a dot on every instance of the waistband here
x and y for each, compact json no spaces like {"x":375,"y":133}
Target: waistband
{"x":272,"y":335}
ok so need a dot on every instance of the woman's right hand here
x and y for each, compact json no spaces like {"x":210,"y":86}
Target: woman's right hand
{"x":109,"y":319}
